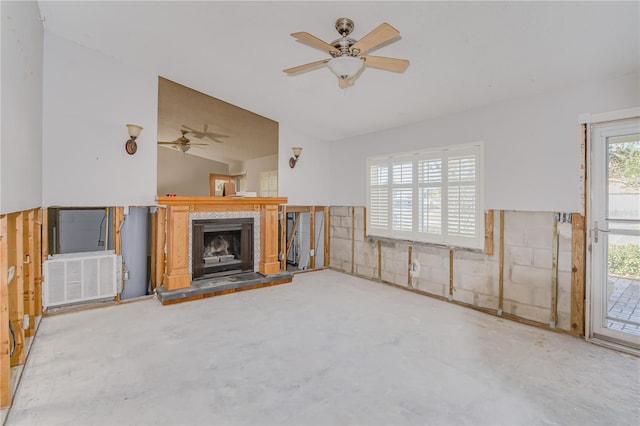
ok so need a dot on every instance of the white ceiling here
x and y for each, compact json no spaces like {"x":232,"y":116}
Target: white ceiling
{"x":463,"y":54}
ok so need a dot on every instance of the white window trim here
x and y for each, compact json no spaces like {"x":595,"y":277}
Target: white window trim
{"x":475,"y":242}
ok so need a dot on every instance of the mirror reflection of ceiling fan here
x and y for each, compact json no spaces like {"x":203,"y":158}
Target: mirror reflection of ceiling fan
{"x":205,"y":133}
{"x":348,"y":56}
{"x":183,"y":143}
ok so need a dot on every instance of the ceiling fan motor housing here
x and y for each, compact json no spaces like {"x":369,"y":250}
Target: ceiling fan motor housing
{"x":343,"y":44}
{"x":344,"y":26}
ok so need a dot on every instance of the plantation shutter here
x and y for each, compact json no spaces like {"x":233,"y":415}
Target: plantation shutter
{"x":378,"y":213}
{"x":462,"y":210}
{"x":429,"y":196}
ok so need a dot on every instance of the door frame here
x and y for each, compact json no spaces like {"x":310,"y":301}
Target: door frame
{"x":588,"y":121}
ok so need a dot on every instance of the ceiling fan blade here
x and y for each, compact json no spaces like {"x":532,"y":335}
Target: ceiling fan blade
{"x":167,"y":143}
{"x":215,"y":135}
{"x":198,"y":144}
{"x":380,"y":35}
{"x":384,"y":63}
{"x":306,"y":67}
{"x":313,"y":41}
{"x":344,"y":83}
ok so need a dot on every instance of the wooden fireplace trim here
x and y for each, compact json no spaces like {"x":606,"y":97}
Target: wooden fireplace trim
{"x":177,"y":232}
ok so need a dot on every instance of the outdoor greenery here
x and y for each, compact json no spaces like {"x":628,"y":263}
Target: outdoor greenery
{"x":624,"y":260}
{"x":624,"y":164}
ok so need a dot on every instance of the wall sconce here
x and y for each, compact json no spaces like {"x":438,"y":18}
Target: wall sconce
{"x":296,"y":153}
{"x":134,"y":131}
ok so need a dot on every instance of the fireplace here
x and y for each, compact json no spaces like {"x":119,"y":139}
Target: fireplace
{"x":222,"y":247}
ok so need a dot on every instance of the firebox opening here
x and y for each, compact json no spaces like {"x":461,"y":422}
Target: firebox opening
{"x":222,"y":247}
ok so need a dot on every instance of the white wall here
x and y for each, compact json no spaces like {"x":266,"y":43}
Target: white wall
{"x":184,"y":174}
{"x":21,"y":107}
{"x":257,"y":165}
{"x":308,"y":183}
{"x":88,"y":99}
{"x":532,"y":146}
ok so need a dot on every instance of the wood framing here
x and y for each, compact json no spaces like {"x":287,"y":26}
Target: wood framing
{"x":501,"y":266}
{"x":29,"y":269}
{"x":44,"y":247}
{"x":5,"y":337}
{"x":313,"y":241}
{"x":16,"y":285}
{"x":283,"y":237}
{"x":380,"y":259}
{"x":312,"y":235}
{"x":39,"y":233}
{"x":327,"y":236}
{"x":451,"y":274}
{"x":296,"y":222}
{"x":353,"y":240}
{"x":118,"y":218}
{"x":488,"y":233}
{"x":410,"y":260}
{"x":554,"y":275}
{"x":157,"y":247}
{"x":577,"y":273}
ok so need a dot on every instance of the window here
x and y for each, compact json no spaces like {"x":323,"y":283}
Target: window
{"x":268,"y":184}
{"x":430,"y":196}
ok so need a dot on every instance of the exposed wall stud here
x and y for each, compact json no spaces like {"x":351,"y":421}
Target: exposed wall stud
{"x":501,"y":266}
{"x":577,"y":273}
{"x":327,"y":236}
{"x":380,"y":259}
{"x":409,"y":268}
{"x":554,"y":276}
{"x":353,"y":240}
{"x":30,"y":261}
{"x":39,"y":232}
{"x":451,"y":274}
{"x":16,"y":286}
{"x":5,"y":369}
{"x":488,"y":233}
{"x":312,"y":233}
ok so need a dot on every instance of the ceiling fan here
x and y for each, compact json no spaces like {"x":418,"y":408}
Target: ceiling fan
{"x":183,"y":143}
{"x":348,"y":56}
{"x":205,"y":133}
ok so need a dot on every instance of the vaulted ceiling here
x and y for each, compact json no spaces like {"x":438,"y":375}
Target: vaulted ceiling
{"x":463,"y":54}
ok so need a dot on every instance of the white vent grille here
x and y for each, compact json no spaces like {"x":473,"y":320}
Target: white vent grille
{"x":79,"y":277}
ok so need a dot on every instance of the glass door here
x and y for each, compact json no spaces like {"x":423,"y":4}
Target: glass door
{"x":615,"y":232}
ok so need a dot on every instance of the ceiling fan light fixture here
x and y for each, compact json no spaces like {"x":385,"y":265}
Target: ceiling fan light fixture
{"x":345,"y":67}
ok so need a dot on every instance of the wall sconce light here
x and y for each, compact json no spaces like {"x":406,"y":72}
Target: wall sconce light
{"x":296,"y":153}
{"x":134,"y":131}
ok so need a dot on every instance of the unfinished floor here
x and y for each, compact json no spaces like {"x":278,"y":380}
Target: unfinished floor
{"x":328,"y":348}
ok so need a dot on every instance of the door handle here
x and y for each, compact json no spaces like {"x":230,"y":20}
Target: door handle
{"x":597,"y":230}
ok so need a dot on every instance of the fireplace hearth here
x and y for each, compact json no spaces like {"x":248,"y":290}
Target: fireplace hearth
{"x":222,"y":247}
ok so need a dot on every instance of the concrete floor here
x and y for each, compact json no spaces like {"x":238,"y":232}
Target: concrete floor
{"x":327,"y":349}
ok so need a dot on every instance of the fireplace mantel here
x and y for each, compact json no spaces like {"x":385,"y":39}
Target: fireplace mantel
{"x":177,"y":273}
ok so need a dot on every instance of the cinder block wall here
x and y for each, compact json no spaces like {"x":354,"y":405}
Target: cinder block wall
{"x":527,"y":274}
